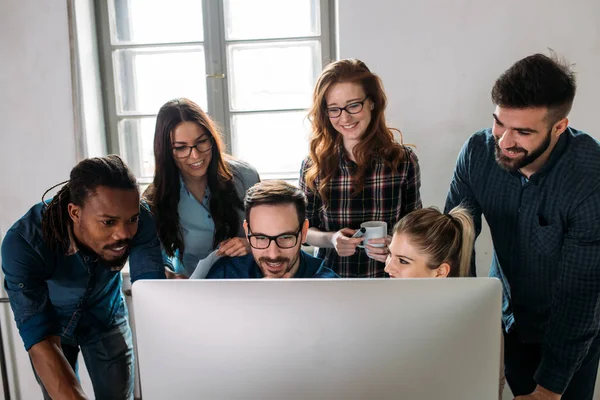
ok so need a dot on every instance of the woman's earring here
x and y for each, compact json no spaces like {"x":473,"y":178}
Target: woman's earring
{"x":372,"y":106}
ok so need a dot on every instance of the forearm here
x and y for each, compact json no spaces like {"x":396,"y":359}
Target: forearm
{"x":54,"y":371}
{"x":318,"y":238}
{"x":573,"y":323}
{"x":562,"y":357}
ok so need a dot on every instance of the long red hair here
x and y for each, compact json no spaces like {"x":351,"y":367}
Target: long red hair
{"x":377,"y":140}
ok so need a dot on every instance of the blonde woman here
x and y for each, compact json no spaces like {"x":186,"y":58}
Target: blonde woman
{"x":429,"y":244}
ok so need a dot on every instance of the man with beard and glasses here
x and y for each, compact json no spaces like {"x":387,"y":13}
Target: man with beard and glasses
{"x":276,"y":227}
{"x":537,"y":181}
{"x":62,"y":263}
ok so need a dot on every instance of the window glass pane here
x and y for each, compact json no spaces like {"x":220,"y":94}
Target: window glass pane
{"x":136,"y":141}
{"x":273,"y":75}
{"x":260,"y":19}
{"x":143,"y":21}
{"x":274,"y":143}
{"x":148,"y":78}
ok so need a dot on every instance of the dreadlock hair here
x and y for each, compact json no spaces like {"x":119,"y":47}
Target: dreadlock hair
{"x":109,"y":171}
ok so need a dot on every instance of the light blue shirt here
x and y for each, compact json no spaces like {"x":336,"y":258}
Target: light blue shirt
{"x":195,"y":218}
{"x":197,"y":229}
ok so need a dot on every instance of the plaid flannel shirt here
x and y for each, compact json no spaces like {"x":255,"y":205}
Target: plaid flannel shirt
{"x":546,"y":234}
{"x":387,"y":195}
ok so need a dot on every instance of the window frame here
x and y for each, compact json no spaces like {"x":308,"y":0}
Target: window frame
{"x":216,"y":67}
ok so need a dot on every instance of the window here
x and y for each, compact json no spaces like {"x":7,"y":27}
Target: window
{"x":251,"y":64}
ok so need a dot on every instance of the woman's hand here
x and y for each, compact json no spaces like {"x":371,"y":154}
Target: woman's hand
{"x":234,"y":247}
{"x":378,"y":253}
{"x":343,"y":243}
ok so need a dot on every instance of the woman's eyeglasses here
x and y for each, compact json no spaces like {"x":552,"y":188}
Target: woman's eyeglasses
{"x":352,"y":108}
{"x":202,"y":146}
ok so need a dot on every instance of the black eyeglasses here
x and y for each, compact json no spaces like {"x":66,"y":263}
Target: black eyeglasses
{"x":202,"y":146}
{"x":283,"y":241}
{"x":352,"y":108}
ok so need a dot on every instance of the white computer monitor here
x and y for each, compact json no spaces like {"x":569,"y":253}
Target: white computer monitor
{"x":318,"y":339}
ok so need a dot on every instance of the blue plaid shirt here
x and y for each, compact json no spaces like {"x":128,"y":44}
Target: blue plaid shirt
{"x":546,"y":235}
{"x":72,"y":295}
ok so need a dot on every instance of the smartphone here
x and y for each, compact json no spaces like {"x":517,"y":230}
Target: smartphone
{"x":359,"y":233}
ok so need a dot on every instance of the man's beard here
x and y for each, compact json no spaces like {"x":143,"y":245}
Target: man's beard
{"x":511,"y":164}
{"x":120,"y":261}
{"x":113,"y":262}
{"x":290,"y":264}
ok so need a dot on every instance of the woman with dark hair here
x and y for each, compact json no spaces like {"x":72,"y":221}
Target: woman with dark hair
{"x":198,"y":190}
{"x":355,"y":171}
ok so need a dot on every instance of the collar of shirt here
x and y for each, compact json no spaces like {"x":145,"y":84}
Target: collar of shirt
{"x":74,"y":249}
{"x":185,"y":191}
{"x":345,"y":161}
{"x":555,"y":155}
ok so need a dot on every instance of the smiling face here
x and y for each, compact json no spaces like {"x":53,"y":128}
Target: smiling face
{"x":276,"y":220}
{"x":107,"y":222}
{"x":349,"y":95}
{"x":407,"y":261}
{"x":194,"y":166}
{"x":524,"y":139}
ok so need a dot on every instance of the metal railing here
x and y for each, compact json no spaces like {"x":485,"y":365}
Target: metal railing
{"x":3,"y":365}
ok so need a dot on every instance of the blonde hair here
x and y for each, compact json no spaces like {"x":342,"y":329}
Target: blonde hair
{"x":443,"y":238}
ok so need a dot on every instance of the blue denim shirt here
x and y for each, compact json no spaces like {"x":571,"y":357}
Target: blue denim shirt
{"x":70,"y":295}
{"x":245,"y":267}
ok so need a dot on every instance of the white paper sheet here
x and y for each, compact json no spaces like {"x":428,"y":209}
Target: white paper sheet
{"x":205,"y":265}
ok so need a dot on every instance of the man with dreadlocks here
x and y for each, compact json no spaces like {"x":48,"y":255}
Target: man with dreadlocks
{"x":62,"y":263}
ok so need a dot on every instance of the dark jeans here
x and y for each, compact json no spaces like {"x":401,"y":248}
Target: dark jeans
{"x":109,"y":361}
{"x":521,"y":360}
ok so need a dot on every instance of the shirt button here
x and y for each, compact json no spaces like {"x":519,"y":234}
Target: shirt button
{"x":209,"y":216}
{"x":21,"y":285}
{"x":86,"y":258}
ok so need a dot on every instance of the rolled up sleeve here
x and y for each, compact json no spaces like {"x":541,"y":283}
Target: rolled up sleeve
{"x":575,"y":313}
{"x":24,"y":281}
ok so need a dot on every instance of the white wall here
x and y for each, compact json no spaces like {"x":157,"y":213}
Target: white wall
{"x":88,"y":80}
{"x":438,"y":60}
{"x":37,"y":145}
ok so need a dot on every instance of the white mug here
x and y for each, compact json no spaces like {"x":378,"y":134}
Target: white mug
{"x":373,"y":230}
